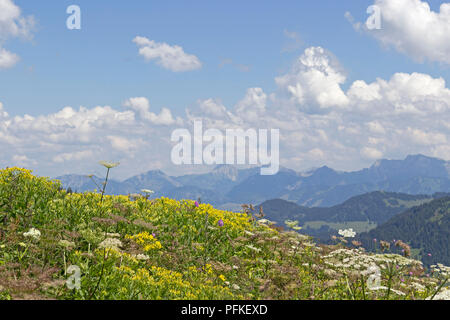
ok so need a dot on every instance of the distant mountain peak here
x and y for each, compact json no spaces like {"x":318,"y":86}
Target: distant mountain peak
{"x":419,"y":156}
{"x":226,"y":171}
{"x":412,"y":158}
{"x":156,"y":172}
{"x":325,"y":169}
{"x":377,"y":163}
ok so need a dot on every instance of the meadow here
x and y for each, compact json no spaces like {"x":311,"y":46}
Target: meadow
{"x":55,"y":244}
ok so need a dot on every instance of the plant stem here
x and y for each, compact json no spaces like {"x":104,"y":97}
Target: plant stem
{"x":104,"y":184}
{"x":363,"y":287}
{"x":439,"y":288}
{"x":101,"y":275}
{"x":349,"y":288}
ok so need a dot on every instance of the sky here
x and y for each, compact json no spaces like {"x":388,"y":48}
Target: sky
{"x":341,"y":94}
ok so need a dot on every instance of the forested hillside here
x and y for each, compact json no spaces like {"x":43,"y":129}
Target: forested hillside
{"x":426,"y":228}
{"x":361,"y":212}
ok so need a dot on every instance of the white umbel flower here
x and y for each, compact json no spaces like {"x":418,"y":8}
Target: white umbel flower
{"x":347,"y":233}
{"x":33,"y":233}
{"x":110,"y":243}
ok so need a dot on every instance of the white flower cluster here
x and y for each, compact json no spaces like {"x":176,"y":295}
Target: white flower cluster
{"x":442,"y":295}
{"x":33,"y":233}
{"x":441,"y":269}
{"x":142,"y":257}
{"x":110,"y":243}
{"x":253,"y":248}
{"x":347,"y":233}
{"x":356,"y":259}
{"x":266,"y":222}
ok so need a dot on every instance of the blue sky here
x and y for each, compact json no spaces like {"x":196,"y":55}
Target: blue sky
{"x":99,"y":65}
{"x":241,"y":45}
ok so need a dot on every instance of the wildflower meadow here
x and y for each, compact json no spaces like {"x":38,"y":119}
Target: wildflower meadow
{"x":60,"y":245}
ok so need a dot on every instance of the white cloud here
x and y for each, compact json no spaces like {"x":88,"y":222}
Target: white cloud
{"x":12,"y":24}
{"x":213,"y":108}
{"x":385,"y":118}
{"x":74,"y":156}
{"x":74,"y":140}
{"x":253,"y":106}
{"x":414,"y":93}
{"x":360,"y":90}
{"x":316,"y":153}
{"x":7,"y":59}
{"x":356,"y":25}
{"x":407,"y":113}
{"x":426,"y":138}
{"x":371,"y":153}
{"x":240,"y":67}
{"x":412,"y":28}
{"x":142,"y":106}
{"x":442,"y":151}
{"x":3,"y":113}
{"x":126,"y":145}
{"x":314,"y":82}
{"x":294,"y":43}
{"x":22,"y":160}
{"x":169,"y":57}
{"x":376,"y":127}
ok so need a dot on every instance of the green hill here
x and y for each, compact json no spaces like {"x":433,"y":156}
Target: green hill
{"x":362,"y":213}
{"x":426,"y":228}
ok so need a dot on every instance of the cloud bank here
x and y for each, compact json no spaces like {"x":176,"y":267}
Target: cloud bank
{"x":320,"y":123}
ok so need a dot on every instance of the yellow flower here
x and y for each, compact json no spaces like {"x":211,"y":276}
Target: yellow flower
{"x":146,"y":240}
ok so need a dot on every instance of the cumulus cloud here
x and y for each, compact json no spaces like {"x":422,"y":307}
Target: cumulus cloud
{"x":314,"y":82}
{"x":74,"y":140}
{"x":412,"y":28}
{"x":321,"y":123}
{"x":7,"y":59}
{"x":371,"y":153}
{"x":214,"y":108}
{"x":414,"y":93}
{"x":419,"y":136}
{"x":3,"y":113}
{"x":142,"y":106}
{"x":169,"y":57}
{"x":22,"y":160}
{"x":253,"y":105}
{"x":69,"y":156}
{"x":12,"y":24}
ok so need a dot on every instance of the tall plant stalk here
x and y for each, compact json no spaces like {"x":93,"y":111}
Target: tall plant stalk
{"x":104,"y":184}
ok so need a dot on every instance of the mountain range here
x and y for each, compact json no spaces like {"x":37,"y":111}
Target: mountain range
{"x":227,"y":187}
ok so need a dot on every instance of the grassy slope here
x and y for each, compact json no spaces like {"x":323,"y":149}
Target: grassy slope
{"x":167,"y":249}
